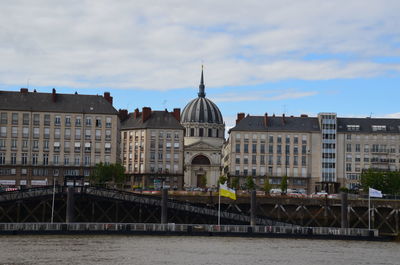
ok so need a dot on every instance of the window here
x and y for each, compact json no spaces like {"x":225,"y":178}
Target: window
{"x":77,"y":160}
{"x":107,"y":147}
{"x":88,"y":134}
{"x":295,"y":139}
{"x":88,"y":147}
{"x":35,"y":144}
{"x":77,"y":147}
{"x":209,"y":132}
{"x":24,"y":158}
{"x":108,"y":134}
{"x":57,"y":120}
{"x":3,"y":118}
{"x":237,"y":149}
{"x":15,"y":118}
{"x":77,"y":133}
{"x":2,"y":144}
{"x":246,"y":148}
{"x":68,"y":121}
{"x":67,"y":147}
{"x":47,"y":119}
{"x":3,"y":131}
{"x":56,"y":146}
{"x":201,"y":132}
{"x":303,"y":160}
{"x":87,"y":161}
{"x":191,"y":131}
{"x":13,"y":143}
{"x":108,"y":122}
{"x":88,"y":121}
{"x":14,"y":131}
{"x":13,"y":158}
{"x":262,"y":148}
{"x":78,"y":121}
{"x":378,"y":128}
{"x":271,"y":139}
{"x":254,"y":148}
{"x":45,"y":159}
{"x":25,"y":132}
{"x":348,"y":147}
{"x":176,"y":145}
{"x":57,"y":133}
{"x":25,"y":119}
{"x":98,"y":122}
{"x":348,"y":167}
{"x":36,"y":132}
{"x":2,"y":158}
{"x":354,"y":128}
{"x":358,"y":148}
{"x":35,"y":159}
{"x":279,"y":149}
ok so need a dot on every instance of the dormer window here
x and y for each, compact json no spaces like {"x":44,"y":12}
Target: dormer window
{"x":378,"y":128}
{"x":353,"y":128}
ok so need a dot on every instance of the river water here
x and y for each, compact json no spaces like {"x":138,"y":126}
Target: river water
{"x":116,"y":249}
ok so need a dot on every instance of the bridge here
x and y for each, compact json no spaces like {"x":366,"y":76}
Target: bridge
{"x":100,"y":205}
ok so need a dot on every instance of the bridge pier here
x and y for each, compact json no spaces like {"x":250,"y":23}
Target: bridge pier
{"x":253,"y":208}
{"x":70,"y":205}
{"x":164,"y":206}
{"x":344,"y":205}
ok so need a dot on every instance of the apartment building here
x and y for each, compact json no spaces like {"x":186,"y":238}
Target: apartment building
{"x":316,"y":153}
{"x":152,"y":148}
{"x":272,"y":146}
{"x":46,"y":136}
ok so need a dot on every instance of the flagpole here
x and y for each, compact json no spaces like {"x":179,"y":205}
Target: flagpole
{"x":369,"y":210}
{"x":219,"y":206}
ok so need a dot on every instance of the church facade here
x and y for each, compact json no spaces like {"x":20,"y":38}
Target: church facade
{"x":203,"y":140}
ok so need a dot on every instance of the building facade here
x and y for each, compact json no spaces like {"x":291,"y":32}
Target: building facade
{"x":46,"y":136}
{"x":315,"y":153}
{"x":152,"y":148}
{"x":204,"y":137}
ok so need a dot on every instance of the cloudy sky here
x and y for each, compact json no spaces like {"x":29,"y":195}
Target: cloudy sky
{"x":278,"y":57}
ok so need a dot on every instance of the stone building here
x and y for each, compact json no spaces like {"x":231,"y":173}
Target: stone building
{"x":316,"y":153}
{"x":204,"y":137}
{"x":46,"y":136}
{"x":152,"y":148}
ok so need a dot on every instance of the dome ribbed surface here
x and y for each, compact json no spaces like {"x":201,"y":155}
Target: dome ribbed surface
{"x":201,"y":110}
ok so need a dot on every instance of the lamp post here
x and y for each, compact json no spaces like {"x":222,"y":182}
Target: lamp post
{"x":52,"y":204}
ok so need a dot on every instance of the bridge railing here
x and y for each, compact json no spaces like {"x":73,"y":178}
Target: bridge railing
{"x":186,"y":228}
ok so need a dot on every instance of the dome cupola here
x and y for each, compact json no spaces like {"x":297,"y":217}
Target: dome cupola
{"x":201,"y":109}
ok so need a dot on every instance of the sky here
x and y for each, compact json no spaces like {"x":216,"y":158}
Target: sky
{"x":286,"y":56}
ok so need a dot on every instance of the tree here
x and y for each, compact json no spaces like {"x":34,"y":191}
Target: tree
{"x":235,"y":183}
{"x":284,"y":184}
{"x":250,"y":183}
{"x":203,"y":181}
{"x":267,"y":186}
{"x":386,"y":181}
{"x":105,"y":173}
{"x":222,"y":179}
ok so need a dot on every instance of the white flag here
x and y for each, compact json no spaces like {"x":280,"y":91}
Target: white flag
{"x":375,"y":193}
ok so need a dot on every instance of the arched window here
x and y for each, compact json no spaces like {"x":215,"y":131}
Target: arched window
{"x":200,"y":160}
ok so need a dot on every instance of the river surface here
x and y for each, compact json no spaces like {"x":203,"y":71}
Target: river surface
{"x":116,"y":249}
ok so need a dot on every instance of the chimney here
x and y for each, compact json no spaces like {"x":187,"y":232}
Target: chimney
{"x":136,"y":113}
{"x":24,"y":90}
{"x":108,"y":97}
{"x":54,"y":95}
{"x":283,"y":119}
{"x":266,"y":119}
{"x":240,"y":116}
{"x":123,"y":114}
{"x":303,"y":115}
{"x":146,"y":113}
{"x":177,"y":114}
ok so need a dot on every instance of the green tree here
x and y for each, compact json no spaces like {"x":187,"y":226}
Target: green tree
{"x":235,"y":183}
{"x":250,"y":183}
{"x":386,"y":181}
{"x":222,"y":179}
{"x":267,"y":186}
{"x":103,"y":174}
{"x":203,"y":181}
{"x":284,"y":184}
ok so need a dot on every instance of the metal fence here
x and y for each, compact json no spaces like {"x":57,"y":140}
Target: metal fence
{"x":186,"y":228}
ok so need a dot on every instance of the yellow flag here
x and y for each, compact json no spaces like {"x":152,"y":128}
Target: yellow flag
{"x":227,"y":192}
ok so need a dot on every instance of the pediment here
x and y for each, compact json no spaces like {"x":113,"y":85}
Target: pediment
{"x":201,"y":146}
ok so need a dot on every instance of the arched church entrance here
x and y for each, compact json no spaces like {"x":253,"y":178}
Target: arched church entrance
{"x":201,"y":163}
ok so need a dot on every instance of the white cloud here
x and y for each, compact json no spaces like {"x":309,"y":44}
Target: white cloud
{"x":269,"y":95}
{"x":160,"y":44}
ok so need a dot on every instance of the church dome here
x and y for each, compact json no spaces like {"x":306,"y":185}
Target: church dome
{"x":201,"y":109}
